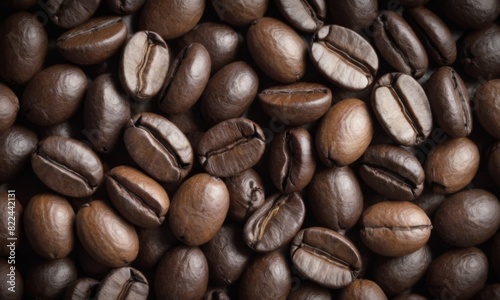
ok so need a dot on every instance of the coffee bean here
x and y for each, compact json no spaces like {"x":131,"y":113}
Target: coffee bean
{"x":306,"y":16}
{"x":344,"y":57}
{"x":15,"y":208}
{"x":410,"y":297}
{"x":48,"y":279}
{"x":128,"y":7}
{"x":123,"y":283}
{"x":491,"y":291}
{"x":479,"y":52}
{"x":471,"y":14}
{"x":153,"y":244}
{"x":402,"y":108}
{"x":309,"y":290}
{"x":240,"y":13}
{"x":246,"y":191}
{"x":70,"y":14}
{"x":325,"y":257}
{"x":9,"y":105}
{"x":82,"y":289}
{"x":429,"y":200}
{"x":494,"y":163}
{"x":357,"y":15}
{"x":16,"y":146}
{"x":487,"y":101}
{"x":362,"y":289}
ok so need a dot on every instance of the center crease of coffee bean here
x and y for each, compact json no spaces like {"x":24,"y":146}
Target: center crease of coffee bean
{"x":350,"y":60}
{"x":395,"y":45}
{"x":243,"y":140}
{"x":147,"y":204}
{"x":261,"y":225}
{"x":465,"y":107}
{"x":106,"y":24}
{"x":328,"y":257}
{"x":391,"y":175}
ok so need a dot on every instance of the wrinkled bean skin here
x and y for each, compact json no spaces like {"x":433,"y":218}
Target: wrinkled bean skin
{"x":16,"y":146}
{"x":479,"y":52}
{"x":240,"y":13}
{"x":9,"y":107}
{"x":69,"y":14}
{"x":357,"y":15}
{"x":487,"y":99}
{"x":362,"y":289}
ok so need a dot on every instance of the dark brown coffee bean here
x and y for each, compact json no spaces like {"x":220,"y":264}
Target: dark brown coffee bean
{"x":229,"y":92}
{"x":345,"y":132}
{"x":48,"y":279}
{"x":24,"y":47}
{"x":395,"y":228}
{"x":158,"y":147}
{"x":450,"y":166}
{"x":126,"y":7}
{"x":362,"y":289}
{"x":11,"y":208}
{"x":137,"y":197}
{"x":399,"y":45}
{"x":69,"y":14}
{"x":246,"y":191}
{"x":153,"y":244}
{"x":402,"y":108}
{"x":393,"y":172}
{"x":325,"y":257}
{"x":457,"y":274}
{"x":94,"y":41}
{"x":82,"y":289}
{"x":429,"y":200}
{"x":494,"y":163}
{"x":306,"y":16}
{"x":240,"y":13}
{"x":487,"y":101}
{"x":67,"y":166}
{"x":357,"y":15}
{"x":344,"y":57}
{"x":124,"y":283}
{"x":309,"y":291}
{"x":277,"y":49}
{"x":186,"y":80}
{"x":182,"y":274}
{"x":491,"y":291}
{"x":469,"y":13}
{"x":479,"y":52}
{"x":198,"y":209}
{"x":16,"y":146}
{"x":9,"y":106}
{"x":231,"y":147}
{"x":275,"y":223}
{"x":296,"y":104}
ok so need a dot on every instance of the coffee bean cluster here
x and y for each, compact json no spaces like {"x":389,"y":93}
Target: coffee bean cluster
{"x":250,"y":149}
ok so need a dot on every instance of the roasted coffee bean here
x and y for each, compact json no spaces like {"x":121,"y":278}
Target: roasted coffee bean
{"x":277,"y":49}
{"x":267,"y":277}
{"x":344,"y":133}
{"x":171,"y":19}
{"x":186,"y":80}
{"x":125,"y":7}
{"x":325,"y":257}
{"x":307,"y":290}
{"x":70,"y":14}
{"x":357,"y":15}
{"x":469,"y":13}
{"x":362,"y":289}
{"x":399,"y":45}
{"x":229,"y":92}
{"x":10,"y":208}
{"x":231,"y":147}
{"x":153,"y":244}
{"x":137,"y":197}
{"x":9,"y":106}
{"x":296,"y":104}
{"x":433,"y":33}
{"x":16,"y":146}
{"x":344,"y":57}
{"x":67,"y":166}
{"x":479,"y":52}
{"x":48,"y":279}
{"x":94,"y":41}
{"x":395,"y":228}
{"x":24,"y":47}
{"x":48,"y":223}
{"x":182,"y":274}
{"x":429,"y":200}
{"x":158,"y":147}
{"x":487,"y":101}
{"x":410,"y":297}
{"x":449,"y":100}
{"x":491,"y":291}
{"x":198,"y":209}
{"x":124,"y":283}
{"x":468,"y":218}
{"x":450,"y":166}
{"x":306,"y":16}
{"x":457,"y":274}
{"x":494,"y":163}
{"x":144,"y":65}
{"x":402,"y":108}
{"x":82,"y":289}
{"x":336,"y":198}
{"x":13,"y":287}
{"x":240,"y":13}
{"x":246,"y":191}
{"x":97,"y":225}
{"x":393,"y":172}
{"x":275,"y":223}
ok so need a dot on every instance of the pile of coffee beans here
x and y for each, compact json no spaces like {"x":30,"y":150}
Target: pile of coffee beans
{"x":250,"y":149}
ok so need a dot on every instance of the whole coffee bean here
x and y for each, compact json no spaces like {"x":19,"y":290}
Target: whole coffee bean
{"x":94,"y":41}
{"x":182,"y":274}
{"x":16,"y":146}
{"x":144,"y":65}
{"x":153,"y":244}
{"x":344,"y":133}
{"x":307,"y":290}
{"x":392,"y":171}
{"x":450,"y":166}
{"x":362,"y":289}
{"x":54,"y":95}
{"x":275,"y":223}
{"x":395,"y":228}
{"x":399,"y":45}
{"x":449,"y":100}
{"x":67,"y":166}
{"x":158,"y":147}
{"x":137,"y":197}
{"x":246,"y":192}
{"x":82,"y":289}
{"x":5,"y":292}
{"x":172,"y":18}
{"x":336,"y":198}
{"x":123,"y":283}
{"x":297,"y":103}
{"x":9,"y":106}
{"x":24,"y":47}
{"x":198,"y":209}
{"x":221,"y":41}
{"x":12,"y":215}
{"x":229,"y":92}
{"x":306,"y":16}
{"x":48,"y":224}
{"x":479,"y":52}
{"x":344,"y":57}
{"x":267,"y":277}
{"x":48,"y":279}
{"x":468,"y":218}
{"x":410,"y":297}
{"x":433,"y":33}
{"x":402,"y":108}
{"x":70,"y":14}
{"x":357,"y":15}
{"x":186,"y":80}
{"x":325,"y":257}
{"x":98,"y":225}
{"x":68,"y":128}
{"x":494,"y":163}
{"x":487,"y":101}
{"x":413,"y":3}
{"x":277,"y":49}
{"x":240,"y":13}
{"x":491,"y":291}
{"x":125,"y":7}
{"x":469,"y":13}
{"x":231,"y":147}
{"x":457,"y":274}
{"x":398,"y":274}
